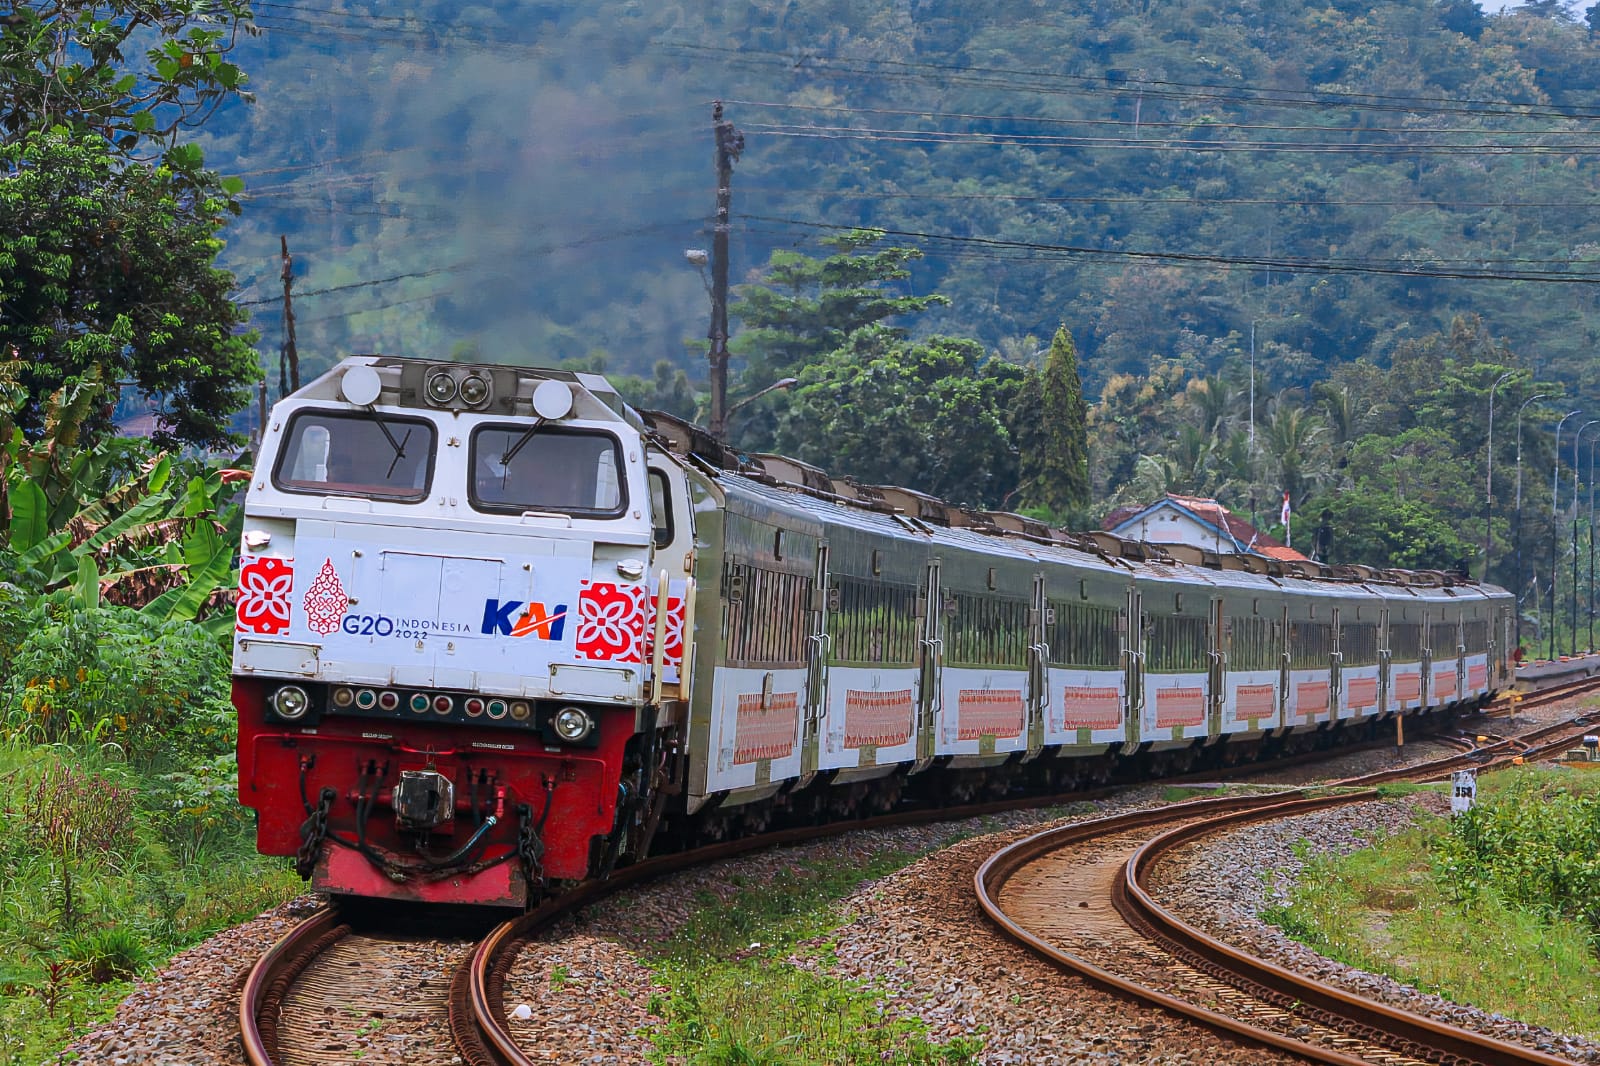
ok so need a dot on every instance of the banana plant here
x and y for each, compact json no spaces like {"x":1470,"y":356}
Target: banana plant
{"x":84,"y":522}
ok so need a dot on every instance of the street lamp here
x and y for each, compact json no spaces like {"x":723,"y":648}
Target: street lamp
{"x":1488,"y":479}
{"x":781,"y":383}
{"x":1521,"y":586}
{"x":1555,"y":531}
{"x":1577,"y":443}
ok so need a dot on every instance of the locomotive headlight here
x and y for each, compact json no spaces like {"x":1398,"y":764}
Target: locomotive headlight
{"x":572,"y":724}
{"x":441,"y":388}
{"x":291,"y":702}
{"x":474,"y":390}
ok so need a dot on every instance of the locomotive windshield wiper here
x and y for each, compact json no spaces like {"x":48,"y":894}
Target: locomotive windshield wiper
{"x":527,"y":435}
{"x":399,"y":446}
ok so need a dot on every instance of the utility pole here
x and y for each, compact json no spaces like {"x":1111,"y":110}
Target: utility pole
{"x":730,"y":143}
{"x":289,"y":359}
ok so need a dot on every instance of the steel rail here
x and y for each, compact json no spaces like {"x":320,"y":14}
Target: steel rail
{"x":262,"y":995}
{"x":1404,"y":1032}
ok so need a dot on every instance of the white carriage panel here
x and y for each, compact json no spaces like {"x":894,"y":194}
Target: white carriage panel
{"x":1358,"y":695}
{"x":983,"y":711}
{"x":1252,"y":701}
{"x":1086,"y":707}
{"x":1308,"y":697}
{"x":1477,"y":675}
{"x":1405,"y":686}
{"x":755,"y":726}
{"x":870,"y":709}
{"x":1174,"y":706}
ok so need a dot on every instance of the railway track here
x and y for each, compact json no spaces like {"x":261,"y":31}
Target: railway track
{"x":1077,"y":897}
{"x":322,"y":965}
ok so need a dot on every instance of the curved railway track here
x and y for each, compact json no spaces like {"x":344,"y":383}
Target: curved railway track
{"x":1077,"y":897}
{"x":314,"y":963}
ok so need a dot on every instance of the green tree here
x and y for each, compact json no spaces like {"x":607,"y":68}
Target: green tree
{"x":112,"y":265}
{"x":1052,"y":432}
{"x":133,"y":72}
{"x":929,"y":415}
{"x":804,"y":307}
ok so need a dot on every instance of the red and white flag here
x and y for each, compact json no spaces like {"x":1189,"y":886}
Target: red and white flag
{"x":1284,"y":518}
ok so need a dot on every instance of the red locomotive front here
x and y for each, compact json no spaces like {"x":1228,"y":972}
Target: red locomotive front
{"x":443,"y":630}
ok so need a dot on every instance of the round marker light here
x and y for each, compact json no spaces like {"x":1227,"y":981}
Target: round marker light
{"x":419,"y":703}
{"x":572,"y":724}
{"x":441,"y":388}
{"x":366,"y":699}
{"x":343,"y":697}
{"x":474,"y":390}
{"x":443,"y":704}
{"x":474,"y":706}
{"x":497,"y":709}
{"x":291,"y":702}
{"x":388,"y":700}
{"x":521,"y":711}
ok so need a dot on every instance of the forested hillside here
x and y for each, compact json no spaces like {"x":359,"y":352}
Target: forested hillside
{"x":1164,"y":178}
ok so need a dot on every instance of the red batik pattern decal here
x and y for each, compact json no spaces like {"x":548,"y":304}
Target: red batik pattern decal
{"x":1444,"y":684}
{"x":982,"y":712}
{"x":882,"y":719}
{"x":673,"y":641}
{"x":1477,"y":676}
{"x":1255,"y":701}
{"x":765,"y":732}
{"x":325,"y":601}
{"x":264,"y":604}
{"x":1310,"y":698}
{"x":1407,"y":687}
{"x":1181,"y":706}
{"x":1089,"y":707}
{"x":1362,"y":692}
{"x":611,"y":622}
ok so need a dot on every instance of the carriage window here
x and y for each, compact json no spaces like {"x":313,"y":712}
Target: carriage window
{"x":1358,"y":643}
{"x":1405,"y":641}
{"x":1253,"y":644}
{"x":660,"y":508}
{"x":1177,"y":644}
{"x":1085,"y":634}
{"x":875,"y":622}
{"x":986,"y":631}
{"x":564,"y":470}
{"x":339,"y":454}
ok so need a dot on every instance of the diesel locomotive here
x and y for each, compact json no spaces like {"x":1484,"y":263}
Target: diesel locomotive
{"x":497,"y":631}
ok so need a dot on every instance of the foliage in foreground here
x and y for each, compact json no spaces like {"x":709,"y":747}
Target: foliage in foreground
{"x":105,"y":872}
{"x":1439,"y":906}
{"x":737,"y":1000}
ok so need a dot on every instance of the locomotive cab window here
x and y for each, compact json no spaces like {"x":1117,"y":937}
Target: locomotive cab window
{"x":661,"y":508}
{"x":343,"y":454}
{"x":568,"y":471}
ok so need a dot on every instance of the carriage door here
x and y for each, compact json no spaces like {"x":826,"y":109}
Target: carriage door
{"x":1039,"y":619}
{"x":819,"y":646}
{"x":930,"y":651}
{"x":1336,"y":670}
{"x":1133,"y":666}
{"x":1461,"y":653}
{"x":1283,"y":666}
{"x":1217,"y":668}
{"x":1385,"y":660}
{"x":1427,"y":659}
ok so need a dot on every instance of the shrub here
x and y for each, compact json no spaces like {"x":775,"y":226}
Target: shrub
{"x":112,"y":676}
{"x":112,"y":953}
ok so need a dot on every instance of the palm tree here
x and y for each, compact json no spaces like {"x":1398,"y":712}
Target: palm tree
{"x":1295,"y":441}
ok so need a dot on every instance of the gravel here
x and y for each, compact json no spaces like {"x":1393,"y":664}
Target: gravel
{"x":916,"y":935}
{"x":1218,"y":885}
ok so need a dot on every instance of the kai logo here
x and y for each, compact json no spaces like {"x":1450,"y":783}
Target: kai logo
{"x":516,"y":619}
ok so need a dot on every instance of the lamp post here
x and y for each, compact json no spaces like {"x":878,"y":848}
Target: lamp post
{"x":781,"y":383}
{"x":1488,"y":479}
{"x":1521,"y":585}
{"x":1555,"y":530}
{"x":1577,"y":443}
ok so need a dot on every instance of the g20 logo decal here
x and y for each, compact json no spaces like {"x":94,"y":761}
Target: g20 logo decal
{"x":367,"y":625}
{"x":514,"y":618}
